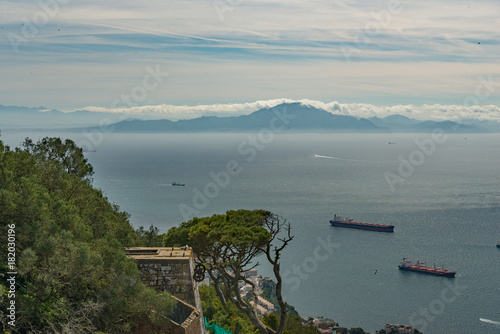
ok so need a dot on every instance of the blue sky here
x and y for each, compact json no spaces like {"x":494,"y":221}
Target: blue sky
{"x":68,"y":54}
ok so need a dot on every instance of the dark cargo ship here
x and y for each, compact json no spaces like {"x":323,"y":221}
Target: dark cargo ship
{"x":175,"y":184}
{"x":338,"y":221}
{"x":421,"y":268}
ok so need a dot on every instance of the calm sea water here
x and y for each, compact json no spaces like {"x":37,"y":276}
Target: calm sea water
{"x":445,"y":205}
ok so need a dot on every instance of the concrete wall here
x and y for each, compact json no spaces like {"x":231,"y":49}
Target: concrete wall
{"x":171,"y":270}
{"x":169,"y":275}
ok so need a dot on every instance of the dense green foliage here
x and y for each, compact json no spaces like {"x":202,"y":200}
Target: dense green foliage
{"x":294,"y":325}
{"x":228,"y":246}
{"x":72,"y":272}
{"x":227,"y":316}
{"x":148,"y":238}
{"x":237,"y":322}
{"x":240,"y":228}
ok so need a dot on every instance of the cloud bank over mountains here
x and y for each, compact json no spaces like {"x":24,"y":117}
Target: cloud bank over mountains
{"x":435,"y":112}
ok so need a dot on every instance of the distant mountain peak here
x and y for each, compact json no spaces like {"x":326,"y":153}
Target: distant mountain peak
{"x":301,"y":116}
{"x":289,"y":116}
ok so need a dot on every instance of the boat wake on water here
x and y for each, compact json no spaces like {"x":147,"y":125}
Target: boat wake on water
{"x":490,"y":321}
{"x":334,"y":158}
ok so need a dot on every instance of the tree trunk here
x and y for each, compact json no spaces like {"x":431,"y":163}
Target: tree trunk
{"x":217,"y":287}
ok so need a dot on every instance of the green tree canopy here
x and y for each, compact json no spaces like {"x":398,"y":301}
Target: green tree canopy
{"x":72,"y":272}
{"x":228,"y":246}
{"x":66,"y":153}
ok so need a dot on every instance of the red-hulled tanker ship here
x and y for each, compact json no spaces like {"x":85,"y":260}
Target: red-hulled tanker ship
{"x":338,"y":221}
{"x":420,"y":267}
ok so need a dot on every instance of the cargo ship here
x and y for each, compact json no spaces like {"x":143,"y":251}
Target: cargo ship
{"x":175,"y":184}
{"x":338,"y":221}
{"x":420,"y":267}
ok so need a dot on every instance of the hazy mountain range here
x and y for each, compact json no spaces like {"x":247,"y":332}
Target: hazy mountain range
{"x":284,"y":117}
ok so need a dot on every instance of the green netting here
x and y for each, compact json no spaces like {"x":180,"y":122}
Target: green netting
{"x":215,"y":328}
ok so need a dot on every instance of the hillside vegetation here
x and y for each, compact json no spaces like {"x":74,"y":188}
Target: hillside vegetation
{"x":72,"y":275}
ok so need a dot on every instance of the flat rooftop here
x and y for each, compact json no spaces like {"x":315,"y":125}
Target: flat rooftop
{"x":159,"y":253}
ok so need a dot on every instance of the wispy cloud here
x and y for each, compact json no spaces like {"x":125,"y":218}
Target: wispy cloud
{"x":260,"y":50}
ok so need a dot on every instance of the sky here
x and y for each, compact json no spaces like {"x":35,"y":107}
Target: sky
{"x":113,"y":55}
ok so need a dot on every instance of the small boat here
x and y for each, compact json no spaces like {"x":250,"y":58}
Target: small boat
{"x":175,"y":184}
{"x":498,"y":245}
{"x":420,"y":267}
{"x":338,"y":221}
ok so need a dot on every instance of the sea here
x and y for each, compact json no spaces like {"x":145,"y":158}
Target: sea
{"x":440,"y":191}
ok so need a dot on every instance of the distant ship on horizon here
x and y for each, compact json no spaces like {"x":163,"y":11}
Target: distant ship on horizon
{"x":175,"y":184}
{"x":338,"y":221}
